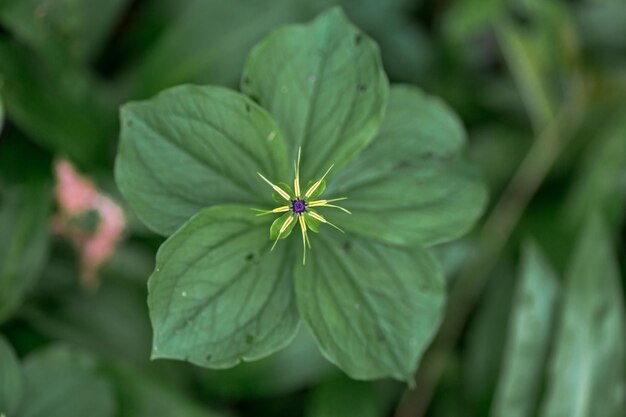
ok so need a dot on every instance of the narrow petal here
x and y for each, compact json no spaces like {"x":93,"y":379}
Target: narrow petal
{"x":276,"y":188}
{"x":317,"y":216}
{"x":262,"y":212}
{"x":318,"y":203}
{"x":345,"y":210}
{"x":324,"y":203}
{"x":281,"y":209}
{"x":296,"y":181}
{"x":317,"y":183}
{"x":321,"y":218}
{"x":304,"y":238}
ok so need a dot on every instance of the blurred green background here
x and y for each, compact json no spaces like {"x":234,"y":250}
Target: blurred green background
{"x":540,"y":86}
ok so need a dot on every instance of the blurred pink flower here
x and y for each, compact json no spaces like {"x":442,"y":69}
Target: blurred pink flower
{"x":75,"y":194}
{"x":76,"y":197}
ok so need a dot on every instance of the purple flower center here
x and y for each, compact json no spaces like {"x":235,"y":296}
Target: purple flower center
{"x":298,"y":206}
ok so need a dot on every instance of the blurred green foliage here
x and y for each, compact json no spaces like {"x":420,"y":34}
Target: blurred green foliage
{"x":540,"y":85}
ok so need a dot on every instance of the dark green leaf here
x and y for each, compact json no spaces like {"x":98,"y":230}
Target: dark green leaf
{"x":325,"y":86}
{"x":208,"y":41}
{"x":484,"y":340}
{"x":599,"y":185}
{"x":141,"y":396}
{"x":11,"y":379}
{"x":90,"y":320}
{"x":60,"y":107}
{"x":530,"y":328}
{"x":24,"y":221}
{"x":218,"y":295}
{"x":587,"y":365}
{"x":64,"y":383}
{"x":466,"y":20}
{"x":373,"y":308}
{"x":1,"y":114}
{"x":192,"y":147}
{"x":61,"y":29}
{"x":410,"y":186}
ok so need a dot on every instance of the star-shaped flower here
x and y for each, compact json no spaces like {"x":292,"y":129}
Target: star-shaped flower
{"x":300,"y":207}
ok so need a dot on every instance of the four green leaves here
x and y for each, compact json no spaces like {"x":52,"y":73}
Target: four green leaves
{"x":373,"y":297}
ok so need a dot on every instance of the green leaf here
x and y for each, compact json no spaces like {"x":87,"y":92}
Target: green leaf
{"x":530,"y":330}
{"x":142,"y":396}
{"x":325,"y":86}
{"x":63,"y":383}
{"x":11,"y":379}
{"x":61,"y":107}
{"x":62,"y":29}
{"x":208,"y":41}
{"x":536,"y":53}
{"x":599,"y":184}
{"x":373,"y":308}
{"x":89,"y":320}
{"x":468,"y":19}
{"x":587,"y":365}
{"x":483,"y":342}
{"x":410,"y":185}
{"x":218,"y":295}
{"x":25,"y":203}
{"x":1,"y":114}
{"x":192,"y":147}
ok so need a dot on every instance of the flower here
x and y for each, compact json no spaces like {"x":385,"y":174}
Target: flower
{"x":300,"y":208}
{"x":77,"y":198}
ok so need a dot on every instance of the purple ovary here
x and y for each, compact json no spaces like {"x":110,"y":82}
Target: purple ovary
{"x":298,"y":206}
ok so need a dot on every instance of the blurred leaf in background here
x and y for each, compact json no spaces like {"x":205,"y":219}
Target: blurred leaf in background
{"x":61,"y":382}
{"x":530,"y":328}
{"x":25,"y":208}
{"x":11,"y":379}
{"x":589,"y":356}
{"x":70,"y":31}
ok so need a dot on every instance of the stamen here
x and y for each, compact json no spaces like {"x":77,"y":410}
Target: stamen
{"x":281,"y":209}
{"x":317,"y":183}
{"x":276,"y":188}
{"x":323,"y":220}
{"x":304,"y":238}
{"x":263,"y":212}
{"x":345,"y":210}
{"x":296,"y":181}
{"x":318,"y":203}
